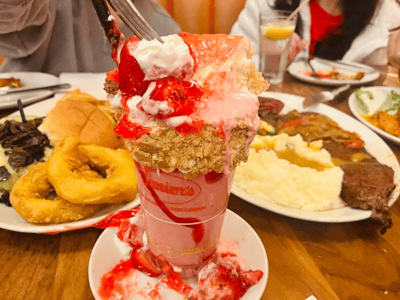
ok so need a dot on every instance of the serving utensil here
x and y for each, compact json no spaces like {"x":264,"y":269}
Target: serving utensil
{"x":48,"y":87}
{"x":324,"y":96}
{"x":128,"y":12}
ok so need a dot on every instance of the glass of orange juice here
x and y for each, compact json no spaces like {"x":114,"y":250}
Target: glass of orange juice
{"x":275,"y":36}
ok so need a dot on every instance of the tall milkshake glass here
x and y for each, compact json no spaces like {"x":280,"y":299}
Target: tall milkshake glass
{"x":183,"y":217}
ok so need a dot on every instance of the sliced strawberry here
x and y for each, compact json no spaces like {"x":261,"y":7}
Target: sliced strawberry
{"x":251,"y":277}
{"x":174,"y":281}
{"x":129,"y":130}
{"x":131,"y":234}
{"x":213,"y":176}
{"x":195,"y":127}
{"x":142,"y":261}
{"x":113,"y":75}
{"x":131,"y":76}
{"x":181,"y":96}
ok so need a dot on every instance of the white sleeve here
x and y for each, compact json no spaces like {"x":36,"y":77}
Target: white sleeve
{"x":23,"y":26}
{"x":393,"y":10}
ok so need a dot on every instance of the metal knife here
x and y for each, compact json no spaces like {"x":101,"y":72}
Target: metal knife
{"x":324,"y":96}
{"x":49,"y":87}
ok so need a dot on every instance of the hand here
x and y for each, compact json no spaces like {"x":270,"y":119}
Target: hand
{"x":296,"y":45}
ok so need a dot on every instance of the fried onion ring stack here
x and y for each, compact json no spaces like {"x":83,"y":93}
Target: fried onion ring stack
{"x":84,"y":177}
{"x":69,"y":158}
{"x":28,"y":197}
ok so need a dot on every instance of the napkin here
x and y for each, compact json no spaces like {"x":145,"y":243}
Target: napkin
{"x":311,"y":298}
{"x":91,"y":83}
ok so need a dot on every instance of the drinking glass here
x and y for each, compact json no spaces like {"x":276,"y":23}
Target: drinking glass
{"x":275,"y":36}
{"x":183,"y":217}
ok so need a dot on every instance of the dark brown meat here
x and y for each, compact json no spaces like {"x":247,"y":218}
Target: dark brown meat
{"x":23,"y":141}
{"x":269,"y":109}
{"x":346,"y":154}
{"x":368,"y":186}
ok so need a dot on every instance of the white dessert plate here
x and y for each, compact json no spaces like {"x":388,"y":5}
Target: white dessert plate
{"x":373,"y":143}
{"x":299,"y":68}
{"x":29,"y":80}
{"x":380,"y":94}
{"x":106,"y":254}
{"x":11,"y":220}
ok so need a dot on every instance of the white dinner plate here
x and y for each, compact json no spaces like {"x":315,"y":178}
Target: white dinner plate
{"x":373,"y":144}
{"x":11,"y":220}
{"x":298,"y":67}
{"x":28,"y":80}
{"x":106,"y":254}
{"x":380,"y":95}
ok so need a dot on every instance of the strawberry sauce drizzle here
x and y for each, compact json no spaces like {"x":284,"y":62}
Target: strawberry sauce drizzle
{"x":198,"y":229}
{"x":115,"y":219}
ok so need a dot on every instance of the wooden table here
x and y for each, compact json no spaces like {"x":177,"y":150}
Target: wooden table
{"x":330,"y":261}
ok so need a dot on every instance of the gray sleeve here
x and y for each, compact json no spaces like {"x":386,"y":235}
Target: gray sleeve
{"x":24,"y":26}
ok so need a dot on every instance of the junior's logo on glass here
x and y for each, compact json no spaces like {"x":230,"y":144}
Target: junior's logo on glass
{"x":173,"y":189}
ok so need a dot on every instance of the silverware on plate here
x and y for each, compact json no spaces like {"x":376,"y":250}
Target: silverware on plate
{"x":356,"y":67}
{"x":324,"y":96}
{"x":22,"y":90}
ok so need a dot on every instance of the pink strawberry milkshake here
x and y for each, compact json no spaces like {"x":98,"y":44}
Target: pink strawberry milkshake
{"x":187,"y":110}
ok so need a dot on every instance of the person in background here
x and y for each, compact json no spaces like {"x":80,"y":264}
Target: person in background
{"x":350,"y":30}
{"x":55,"y":36}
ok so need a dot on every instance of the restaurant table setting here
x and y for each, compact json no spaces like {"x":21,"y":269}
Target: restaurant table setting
{"x":332,"y":254}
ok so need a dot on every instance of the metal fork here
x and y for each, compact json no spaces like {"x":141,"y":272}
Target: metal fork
{"x":313,"y":72}
{"x":127,"y":11}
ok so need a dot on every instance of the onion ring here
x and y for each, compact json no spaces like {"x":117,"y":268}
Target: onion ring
{"x":28,"y":199}
{"x":70,"y":157}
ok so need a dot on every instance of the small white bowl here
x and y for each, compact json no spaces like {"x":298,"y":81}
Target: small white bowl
{"x":105,"y":254}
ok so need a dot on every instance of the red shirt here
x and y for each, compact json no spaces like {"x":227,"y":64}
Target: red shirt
{"x":322,"y":24}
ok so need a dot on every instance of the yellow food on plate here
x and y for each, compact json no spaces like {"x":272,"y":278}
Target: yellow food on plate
{"x":28,"y":198}
{"x":82,"y":115}
{"x":289,"y":172}
{"x":72,"y":166}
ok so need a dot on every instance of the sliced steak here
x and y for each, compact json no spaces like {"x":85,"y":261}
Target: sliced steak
{"x":368,"y":186}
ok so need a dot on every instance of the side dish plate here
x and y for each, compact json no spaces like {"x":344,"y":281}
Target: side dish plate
{"x":28,"y":80}
{"x":11,"y":220}
{"x":298,"y":68}
{"x":359,"y":115}
{"x":373,"y":143}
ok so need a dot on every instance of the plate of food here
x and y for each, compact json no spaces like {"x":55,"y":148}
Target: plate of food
{"x":63,"y":167}
{"x":22,"y":80}
{"x":378,"y":108}
{"x":238,"y":239}
{"x":332,"y":73}
{"x":322,"y":154}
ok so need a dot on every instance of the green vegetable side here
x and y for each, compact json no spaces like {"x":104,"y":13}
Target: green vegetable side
{"x":392,"y":104}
